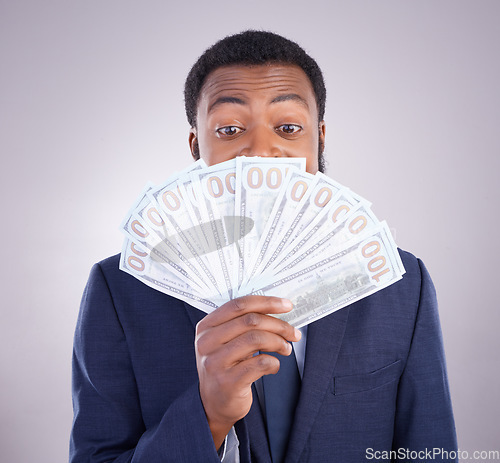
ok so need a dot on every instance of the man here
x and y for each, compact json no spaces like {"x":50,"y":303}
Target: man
{"x":154,"y":380}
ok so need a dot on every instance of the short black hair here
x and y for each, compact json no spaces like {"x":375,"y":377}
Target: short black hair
{"x":251,"y":48}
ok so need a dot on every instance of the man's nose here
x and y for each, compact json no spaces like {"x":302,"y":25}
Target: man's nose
{"x":262,"y":141}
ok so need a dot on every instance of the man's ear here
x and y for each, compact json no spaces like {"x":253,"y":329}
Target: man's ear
{"x":322,"y":135}
{"x":193,"y":144}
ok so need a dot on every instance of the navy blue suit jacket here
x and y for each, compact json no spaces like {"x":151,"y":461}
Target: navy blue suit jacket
{"x":374,"y":378}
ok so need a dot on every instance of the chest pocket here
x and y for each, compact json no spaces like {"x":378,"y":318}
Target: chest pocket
{"x":366,"y":381}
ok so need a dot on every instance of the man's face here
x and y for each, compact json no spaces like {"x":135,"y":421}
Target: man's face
{"x":267,"y":111}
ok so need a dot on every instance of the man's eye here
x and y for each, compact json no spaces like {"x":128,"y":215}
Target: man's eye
{"x":289,"y":128}
{"x":228,"y":131}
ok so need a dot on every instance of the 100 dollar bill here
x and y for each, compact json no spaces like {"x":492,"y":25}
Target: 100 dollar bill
{"x":363,"y":267}
{"x":137,"y":262}
{"x":258,"y":183}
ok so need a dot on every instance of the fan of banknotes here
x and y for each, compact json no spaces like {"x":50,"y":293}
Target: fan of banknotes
{"x":263,"y":226}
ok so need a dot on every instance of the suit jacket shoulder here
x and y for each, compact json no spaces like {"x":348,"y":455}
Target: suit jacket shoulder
{"x":135,"y":384}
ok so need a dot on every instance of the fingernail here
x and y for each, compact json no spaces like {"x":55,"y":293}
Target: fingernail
{"x":287,"y":304}
{"x":298,"y":333}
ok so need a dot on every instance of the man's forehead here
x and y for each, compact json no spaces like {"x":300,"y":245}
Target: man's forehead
{"x":242,"y":80}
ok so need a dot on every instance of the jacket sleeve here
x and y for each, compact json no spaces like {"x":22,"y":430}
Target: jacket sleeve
{"x":424,"y":417}
{"x":108,"y":424}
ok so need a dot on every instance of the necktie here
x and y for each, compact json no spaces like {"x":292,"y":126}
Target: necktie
{"x":281,"y":392}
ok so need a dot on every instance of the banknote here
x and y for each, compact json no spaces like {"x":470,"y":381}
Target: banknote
{"x":323,"y":286}
{"x":184,"y":233}
{"x":164,"y":201}
{"x":322,"y":235}
{"x":134,"y":260}
{"x":258,"y":183}
{"x":192,"y":204}
{"x":215,"y":190}
{"x":330,"y":237}
{"x":159,"y":249}
{"x":290,"y":199}
{"x":317,"y":198}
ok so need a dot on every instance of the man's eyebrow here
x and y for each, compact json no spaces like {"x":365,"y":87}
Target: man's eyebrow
{"x":290,"y":96}
{"x":225,"y":99}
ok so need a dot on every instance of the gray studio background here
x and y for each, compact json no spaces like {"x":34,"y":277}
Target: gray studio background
{"x":91,"y":108}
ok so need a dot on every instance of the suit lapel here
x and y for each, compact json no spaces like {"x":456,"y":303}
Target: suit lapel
{"x":256,"y":432}
{"x":324,"y":338}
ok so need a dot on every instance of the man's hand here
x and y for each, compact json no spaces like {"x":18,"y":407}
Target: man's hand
{"x":226,"y":341}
